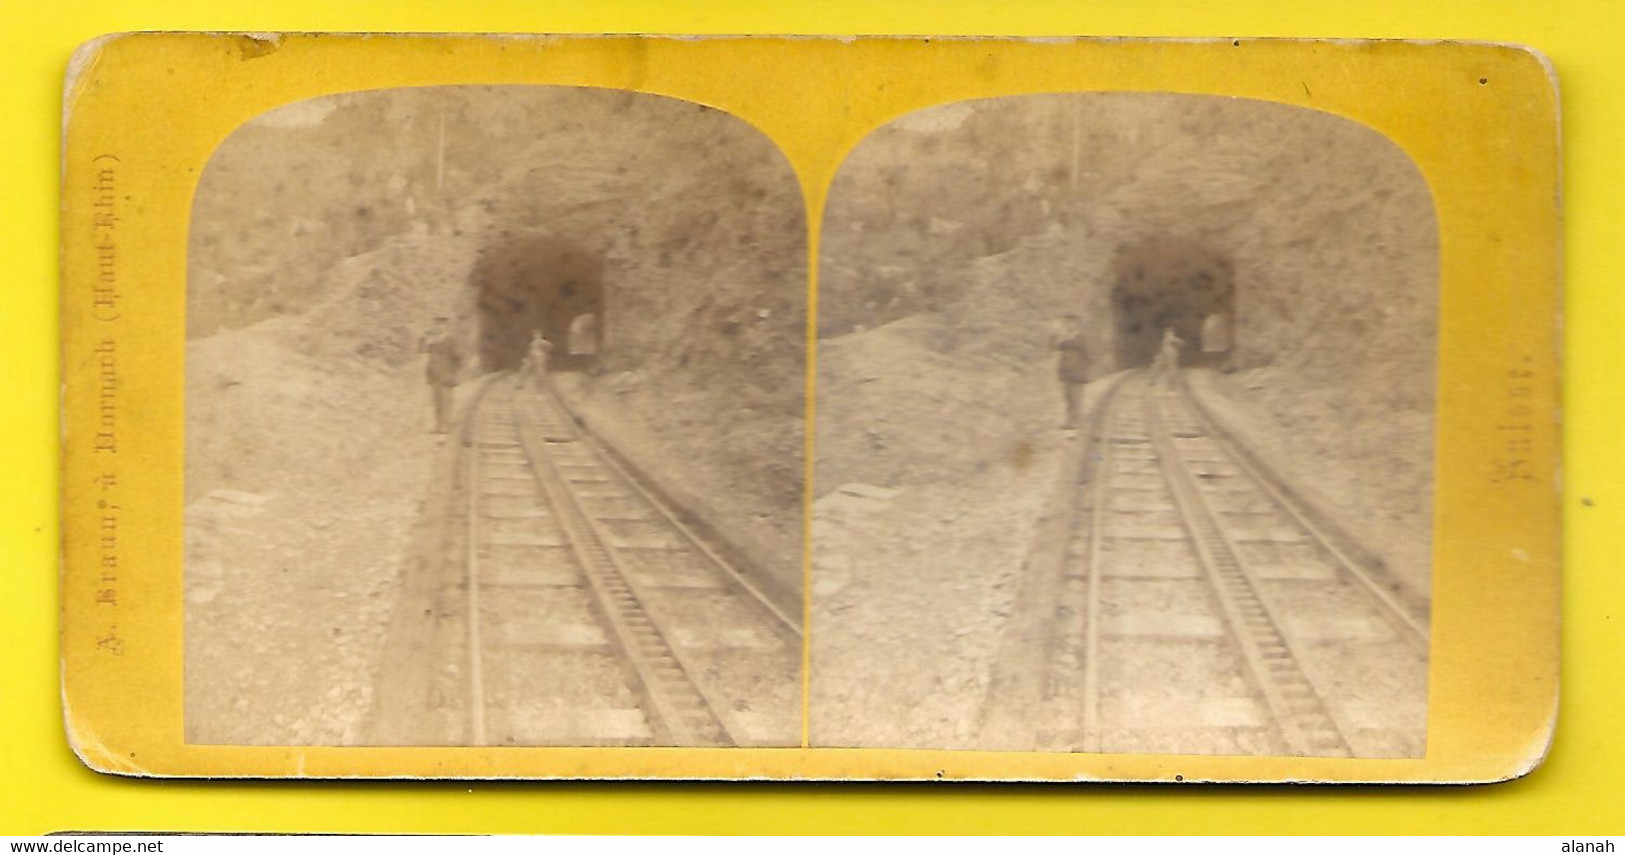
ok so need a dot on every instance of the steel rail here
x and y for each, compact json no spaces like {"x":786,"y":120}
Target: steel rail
{"x":1393,"y":612}
{"x":1270,"y":655}
{"x":783,"y":624}
{"x":1100,"y":498}
{"x":645,"y":637}
{"x":402,"y":689}
{"x":1024,"y":673}
{"x":471,"y":562}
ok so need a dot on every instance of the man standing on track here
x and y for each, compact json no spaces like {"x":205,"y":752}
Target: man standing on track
{"x":1072,"y":368}
{"x":1166,"y":364}
{"x":444,"y":363}
{"x":536,"y":360}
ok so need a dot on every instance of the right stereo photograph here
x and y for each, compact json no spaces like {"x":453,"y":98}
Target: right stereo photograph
{"x":1124,"y":432}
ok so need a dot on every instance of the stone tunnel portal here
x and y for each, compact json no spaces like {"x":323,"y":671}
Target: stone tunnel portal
{"x":1171,"y":284}
{"x":530,"y":284}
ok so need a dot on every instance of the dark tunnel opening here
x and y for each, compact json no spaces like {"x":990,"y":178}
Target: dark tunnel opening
{"x":1165,"y":284}
{"x":537,"y":283}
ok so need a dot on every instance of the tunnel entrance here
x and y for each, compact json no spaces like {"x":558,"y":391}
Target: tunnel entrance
{"x":537,"y":283}
{"x":584,"y":335}
{"x":1172,"y":284}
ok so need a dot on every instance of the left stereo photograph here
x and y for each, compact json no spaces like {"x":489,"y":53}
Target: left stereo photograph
{"x":487,"y":436}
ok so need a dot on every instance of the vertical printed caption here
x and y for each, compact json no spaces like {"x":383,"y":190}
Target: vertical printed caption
{"x":104,"y":311}
{"x":1515,"y":425}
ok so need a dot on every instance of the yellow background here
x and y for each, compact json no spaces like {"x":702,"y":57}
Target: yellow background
{"x":45,"y":788}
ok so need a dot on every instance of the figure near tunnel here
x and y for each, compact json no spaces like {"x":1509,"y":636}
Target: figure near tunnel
{"x":445,"y":361}
{"x":1072,"y":367}
{"x":534,"y":369}
{"x":1166,"y":363}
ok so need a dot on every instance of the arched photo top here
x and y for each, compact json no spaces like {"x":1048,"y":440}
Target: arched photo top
{"x":1136,"y":160}
{"x":1264,"y":201}
{"x":337,"y":175}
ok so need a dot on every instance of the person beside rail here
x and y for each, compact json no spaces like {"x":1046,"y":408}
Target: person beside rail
{"x":535,"y":367}
{"x":1072,"y":367}
{"x":1166,"y":363}
{"x":444,"y":363}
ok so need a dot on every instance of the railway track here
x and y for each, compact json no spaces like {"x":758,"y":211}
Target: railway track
{"x":1200,"y":608}
{"x":573,"y":607}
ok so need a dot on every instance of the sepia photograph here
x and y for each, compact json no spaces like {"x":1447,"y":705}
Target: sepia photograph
{"x":1124,"y":432}
{"x":495,"y":425}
